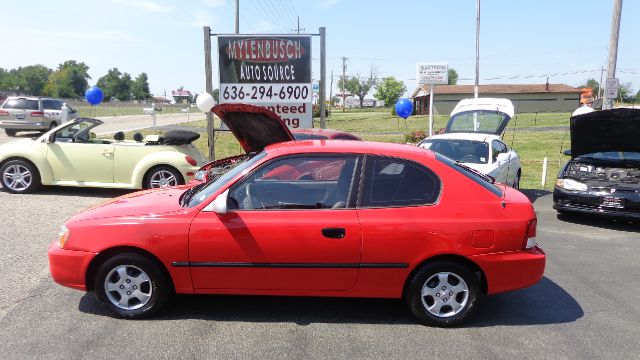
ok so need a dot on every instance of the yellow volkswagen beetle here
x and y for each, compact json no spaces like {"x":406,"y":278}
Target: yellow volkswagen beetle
{"x":72,"y":155}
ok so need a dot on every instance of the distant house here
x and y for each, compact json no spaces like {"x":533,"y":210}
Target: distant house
{"x":160,"y":100}
{"x":181,"y":96}
{"x":526,"y":98}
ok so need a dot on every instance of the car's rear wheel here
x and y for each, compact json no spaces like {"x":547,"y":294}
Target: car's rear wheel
{"x":52,"y":125}
{"x":11,"y":132}
{"x":516,"y":181}
{"x":443,"y":294}
{"x":161,"y":177}
{"x":132,"y":286}
{"x":19,"y":177}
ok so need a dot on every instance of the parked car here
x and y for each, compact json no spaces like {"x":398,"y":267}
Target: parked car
{"x":19,"y":113}
{"x":393,"y":224}
{"x":214,"y":168}
{"x":603,"y":175}
{"x":473,"y":138}
{"x":71,"y":155}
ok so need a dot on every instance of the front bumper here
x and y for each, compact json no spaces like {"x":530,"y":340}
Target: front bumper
{"x":512,"y":270}
{"x":590,"y":203}
{"x":69,"y":267}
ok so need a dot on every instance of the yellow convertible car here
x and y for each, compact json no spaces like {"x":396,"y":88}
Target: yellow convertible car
{"x":72,"y":155}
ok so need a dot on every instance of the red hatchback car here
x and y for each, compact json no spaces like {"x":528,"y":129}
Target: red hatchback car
{"x":397,"y":222}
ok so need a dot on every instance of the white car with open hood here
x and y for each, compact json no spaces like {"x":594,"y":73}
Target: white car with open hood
{"x":473,"y":138}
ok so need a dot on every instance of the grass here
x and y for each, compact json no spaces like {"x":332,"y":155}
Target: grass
{"x":380,"y":125}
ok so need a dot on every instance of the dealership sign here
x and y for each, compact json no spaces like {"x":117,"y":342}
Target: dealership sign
{"x":432,"y":73}
{"x":270,"y":71}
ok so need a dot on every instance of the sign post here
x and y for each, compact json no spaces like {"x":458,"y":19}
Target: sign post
{"x":272,"y":71}
{"x":611,"y":89}
{"x":432,"y":73}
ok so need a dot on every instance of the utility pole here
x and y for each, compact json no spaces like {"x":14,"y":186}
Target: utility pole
{"x":331,"y":93}
{"x":209,"y":85}
{"x":475,"y":89}
{"x":344,"y":78}
{"x":298,"y":29}
{"x":237,"y":16}
{"x":601,"y":85}
{"x":613,"y":49}
{"x":323,"y":75}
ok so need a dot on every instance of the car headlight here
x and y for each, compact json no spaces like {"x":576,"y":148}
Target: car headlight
{"x":63,"y":236}
{"x":571,"y":185}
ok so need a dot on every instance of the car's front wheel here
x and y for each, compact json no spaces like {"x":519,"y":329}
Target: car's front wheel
{"x":19,"y":177}
{"x":161,"y":177}
{"x":132,"y":286}
{"x":443,"y":294}
{"x":11,"y":132}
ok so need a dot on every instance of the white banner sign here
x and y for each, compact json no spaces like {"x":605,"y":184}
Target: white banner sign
{"x":432,"y":73}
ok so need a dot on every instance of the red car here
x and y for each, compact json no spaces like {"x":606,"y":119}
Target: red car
{"x":213,"y":169}
{"x":398,"y":222}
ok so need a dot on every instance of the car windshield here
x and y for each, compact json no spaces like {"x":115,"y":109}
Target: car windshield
{"x":79,"y":130}
{"x":466,"y":151}
{"x":199,"y":193}
{"x":613,"y":156}
{"x":481,"y":121}
{"x":21,"y":104}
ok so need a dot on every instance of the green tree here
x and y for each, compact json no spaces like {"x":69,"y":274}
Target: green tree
{"x":453,"y":76}
{"x":140,"y":88}
{"x":359,"y":85}
{"x":216,"y":95}
{"x":124,"y":87}
{"x":637,"y":100}
{"x":625,"y":93}
{"x":78,"y":73}
{"x":390,"y":90}
{"x":34,"y":78}
{"x":110,"y":84}
{"x":59,"y":85}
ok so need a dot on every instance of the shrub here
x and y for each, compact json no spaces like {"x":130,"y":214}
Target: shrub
{"x":415,"y":136}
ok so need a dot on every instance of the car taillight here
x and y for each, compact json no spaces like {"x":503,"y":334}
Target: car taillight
{"x":191,"y":160}
{"x":4,"y":113}
{"x":530,"y":236}
{"x":37,"y":114}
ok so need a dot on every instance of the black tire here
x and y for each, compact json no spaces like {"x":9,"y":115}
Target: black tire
{"x":25,"y":179}
{"x":516,"y":182}
{"x":155,"y":291}
{"x":52,"y":125}
{"x":152,"y":175}
{"x":11,"y":132}
{"x":448,"y":316}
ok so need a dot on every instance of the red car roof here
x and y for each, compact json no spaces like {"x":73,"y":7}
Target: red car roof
{"x":329,"y":133}
{"x":363,"y":147}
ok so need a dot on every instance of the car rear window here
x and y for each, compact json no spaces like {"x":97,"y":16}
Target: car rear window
{"x":469,"y":173}
{"x":21,"y":104}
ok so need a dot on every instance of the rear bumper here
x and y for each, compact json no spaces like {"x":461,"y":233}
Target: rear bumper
{"x":512,"y":270}
{"x":587,"y":203}
{"x":69,"y":267}
{"x":24,"y":125}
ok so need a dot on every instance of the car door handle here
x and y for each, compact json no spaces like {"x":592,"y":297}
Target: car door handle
{"x":334,"y":233}
{"x":107,"y":152}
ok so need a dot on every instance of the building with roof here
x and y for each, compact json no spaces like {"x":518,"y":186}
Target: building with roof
{"x":526,"y":98}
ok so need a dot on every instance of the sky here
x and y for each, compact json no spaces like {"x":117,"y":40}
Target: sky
{"x":520,"y":41}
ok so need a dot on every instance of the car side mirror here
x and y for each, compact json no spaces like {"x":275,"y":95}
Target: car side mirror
{"x":92,"y":135}
{"x":503,"y":157}
{"x":567,"y":152}
{"x":52,"y":138}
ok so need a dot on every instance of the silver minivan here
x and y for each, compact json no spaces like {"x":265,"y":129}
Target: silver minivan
{"x":19,"y":113}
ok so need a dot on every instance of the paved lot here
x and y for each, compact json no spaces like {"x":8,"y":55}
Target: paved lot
{"x":585,"y":307}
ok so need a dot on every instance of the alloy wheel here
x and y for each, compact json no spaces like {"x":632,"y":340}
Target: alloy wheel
{"x":128,"y":287}
{"x":17,"y":177}
{"x":444,"y":294}
{"x":162,"y":179}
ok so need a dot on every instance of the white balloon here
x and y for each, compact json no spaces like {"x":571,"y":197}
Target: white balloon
{"x":205,"y":102}
{"x":584,"y":109}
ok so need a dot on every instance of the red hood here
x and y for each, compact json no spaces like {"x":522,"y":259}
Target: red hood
{"x":147,"y":203}
{"x":255,"y":127}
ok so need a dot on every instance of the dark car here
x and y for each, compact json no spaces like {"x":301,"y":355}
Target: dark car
{"x":603,"y":175}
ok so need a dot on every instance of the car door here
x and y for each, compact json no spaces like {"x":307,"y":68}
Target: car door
{"x":80,"y":161}
{"x":52,"y":110}
{"x":400,"y":217}
{"x":284,"y":233}
{"x":499,"y":168}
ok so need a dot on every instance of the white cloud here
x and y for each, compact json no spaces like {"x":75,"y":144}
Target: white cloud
{"x":213,"y":3}
{"x":262,"y":26}
{"x":327,"y":3}
{"x":145,"y":5}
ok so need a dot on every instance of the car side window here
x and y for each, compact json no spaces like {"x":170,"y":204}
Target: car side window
{"x":391,"y":182}
{"x":304,"y":182}
{"x":497,"y":147}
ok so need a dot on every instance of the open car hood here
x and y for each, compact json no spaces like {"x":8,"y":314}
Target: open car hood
{"x":606,"y":130}
{"x":255,"y":127}
{"x":482,"y":115}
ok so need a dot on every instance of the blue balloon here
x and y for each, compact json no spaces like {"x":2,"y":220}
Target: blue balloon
{"x":94,"y":95}
{"x":404,"y":108}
